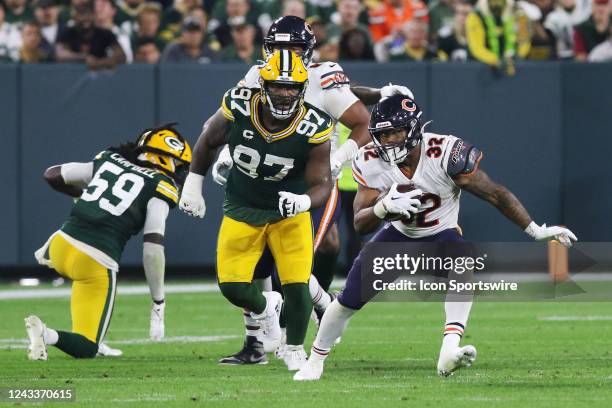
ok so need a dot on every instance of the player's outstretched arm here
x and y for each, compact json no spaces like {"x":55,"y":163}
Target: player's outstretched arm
{"x":479,"y":184}
{"x":69,"y":178}
{"x":212,"y":137}
{"x":154,"y":262}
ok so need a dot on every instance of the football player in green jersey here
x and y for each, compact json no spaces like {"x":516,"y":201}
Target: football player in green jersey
{"x":124,"y":190}
{"x":280,"y":147}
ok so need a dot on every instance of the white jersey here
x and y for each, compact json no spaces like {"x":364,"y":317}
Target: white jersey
{"x":328,"y":89}
{"x":440,"y":200}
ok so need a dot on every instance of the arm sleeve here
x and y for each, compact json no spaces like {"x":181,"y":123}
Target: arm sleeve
{"x":157,"y":212}
{"x":337,"y":94}
{"x":167,"y":191}
{"x":475,"y":33}
{"x":77,"y":174}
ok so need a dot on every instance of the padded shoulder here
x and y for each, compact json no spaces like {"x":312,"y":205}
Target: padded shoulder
{"x":328,"y":75}
{"x":463,"y":158}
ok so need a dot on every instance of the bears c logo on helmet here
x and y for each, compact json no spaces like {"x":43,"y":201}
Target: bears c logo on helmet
{"x":408,"y":105}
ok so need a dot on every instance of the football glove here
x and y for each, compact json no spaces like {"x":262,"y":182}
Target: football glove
{"x":222,"y":166}
{"x":388,"y":90}
{"x":398,"y":205}
{"x":346,"y":152}
{"x":192,"y":201}
{"x":544,"y":233}
{"x":290,"y":204}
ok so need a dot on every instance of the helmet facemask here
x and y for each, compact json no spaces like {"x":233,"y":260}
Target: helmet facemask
{"x":283,"y":104}
{"x":396,"y":152}
{"x":283,"y":80}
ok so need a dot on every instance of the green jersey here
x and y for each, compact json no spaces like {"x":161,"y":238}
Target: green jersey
{"x":267,"y":162}
{"x":113,"y":207}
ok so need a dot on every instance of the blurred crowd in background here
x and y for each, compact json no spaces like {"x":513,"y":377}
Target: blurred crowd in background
{"x":104,"y":33}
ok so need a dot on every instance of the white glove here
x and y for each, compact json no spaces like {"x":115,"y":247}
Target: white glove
{"x":290,"y":204}
{"x":397,"y":204}
{"x":388,"y":90}
{"x":346,"y":152}
{"x":544,"y":233}
{"x":222,"y":166}
{"x":191,"y":200}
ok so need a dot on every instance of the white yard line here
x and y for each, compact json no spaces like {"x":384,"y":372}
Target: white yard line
{"x":574,"y":318}
{"x":123,"y":291}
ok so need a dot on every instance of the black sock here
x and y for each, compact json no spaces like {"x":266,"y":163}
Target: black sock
{"x":76,"y":345}
{"x":324,"y":268}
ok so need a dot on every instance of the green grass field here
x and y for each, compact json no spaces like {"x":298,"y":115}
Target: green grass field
{"x":386,"y":358}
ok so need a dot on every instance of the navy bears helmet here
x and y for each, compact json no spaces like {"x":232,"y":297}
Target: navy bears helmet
{"x":290,"y":31}
{"x":395,"y":113}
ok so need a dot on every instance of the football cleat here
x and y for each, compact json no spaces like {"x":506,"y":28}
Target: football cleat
{"x":106,"y":351}
{"x":157,"y":328}
{"x":294,"y":357}
{"x":312,"y":370}
{"x":37,"y":349}
{"x":454,"y":359}
{"x":280,"y":351}
{"x":269,"y":321}
{"x":252,"y":353}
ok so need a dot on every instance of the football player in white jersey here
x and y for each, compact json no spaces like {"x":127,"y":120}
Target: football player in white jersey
{"x":328,"y":89}
{"x":439,"y":166}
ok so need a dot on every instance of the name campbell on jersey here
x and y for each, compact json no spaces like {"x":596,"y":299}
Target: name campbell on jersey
{"x":440,"y":157}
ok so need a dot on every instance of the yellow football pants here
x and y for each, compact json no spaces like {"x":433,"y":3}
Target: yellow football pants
{"x":240,"y":246}
{"x":93,"y":288}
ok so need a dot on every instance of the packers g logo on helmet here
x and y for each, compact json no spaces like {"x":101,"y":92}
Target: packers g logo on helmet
{"x":283,"y":69}
{"x":164,"y":147}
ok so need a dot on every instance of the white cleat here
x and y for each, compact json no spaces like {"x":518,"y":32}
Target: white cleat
{"x":37,"y":349}
{"x":157,"y":327}
{"x":294,"y":357}
{"x":311,"y":371}
{"x":454,"y":359}
{"x":106,"y":351}
{"x":280,"y":351}
{"x":269,"y":320}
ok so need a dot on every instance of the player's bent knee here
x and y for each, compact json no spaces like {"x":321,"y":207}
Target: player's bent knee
{"x":350,"y":302}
